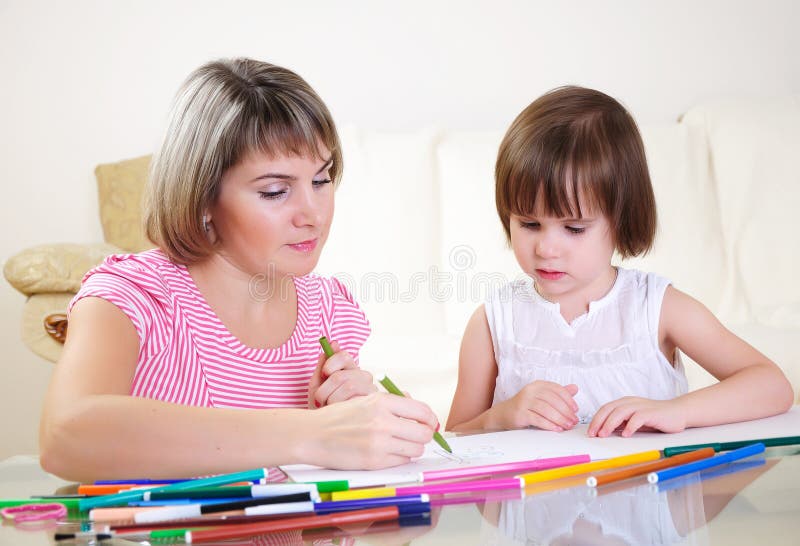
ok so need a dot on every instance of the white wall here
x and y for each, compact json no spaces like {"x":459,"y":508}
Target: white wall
{"x":85,"y":82}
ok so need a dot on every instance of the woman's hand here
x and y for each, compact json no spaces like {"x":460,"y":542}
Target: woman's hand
{"x":540,"y":404}
{"x":337,"y":379}
{"x":632,"y":413}
{"x":368,"y":432}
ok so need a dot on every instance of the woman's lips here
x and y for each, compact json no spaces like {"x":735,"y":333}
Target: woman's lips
{"x":305,"y":246}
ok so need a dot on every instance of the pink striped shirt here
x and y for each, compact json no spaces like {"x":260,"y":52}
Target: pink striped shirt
{"x":187,"y":356}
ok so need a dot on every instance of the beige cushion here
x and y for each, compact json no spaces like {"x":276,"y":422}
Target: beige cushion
{"x":120,"y":188}
{"x":54,"y":268}
{"x":34,"y":312}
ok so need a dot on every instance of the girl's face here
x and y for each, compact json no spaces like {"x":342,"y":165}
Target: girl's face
{"x":568,"y":258}
{"x":273,"y":214}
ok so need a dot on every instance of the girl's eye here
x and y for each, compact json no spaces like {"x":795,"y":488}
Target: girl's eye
{"x":271,"y":194}
{"x":575,"y":230}
{"x":529,"y":225}
{"x":322,"y":182}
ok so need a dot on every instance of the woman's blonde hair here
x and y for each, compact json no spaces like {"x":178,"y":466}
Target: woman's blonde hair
{"x":225,"y":110}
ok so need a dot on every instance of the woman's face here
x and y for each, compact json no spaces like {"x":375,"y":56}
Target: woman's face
{"x":273,"y":214}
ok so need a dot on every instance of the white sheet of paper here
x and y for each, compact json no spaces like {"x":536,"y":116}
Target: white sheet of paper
{"x":530,"y":444}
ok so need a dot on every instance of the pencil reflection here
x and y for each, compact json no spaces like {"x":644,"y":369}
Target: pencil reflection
{"x":630,"y":512}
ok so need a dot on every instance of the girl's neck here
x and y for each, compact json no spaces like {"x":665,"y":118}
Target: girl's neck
{"x":574,"y":304}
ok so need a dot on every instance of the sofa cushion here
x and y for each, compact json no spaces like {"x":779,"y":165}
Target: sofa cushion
{"x":54,"y":267}
{"x":688,"y":248}
{"x":753,"y":146}
{"x":36,"y":309}
{"x":120,"y":188}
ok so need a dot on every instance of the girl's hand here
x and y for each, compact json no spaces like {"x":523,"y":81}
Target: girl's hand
{"x":540,"y":404}
{"x":337,"y":379}
{"x":632,"y":413}
{"x":368,"y":432}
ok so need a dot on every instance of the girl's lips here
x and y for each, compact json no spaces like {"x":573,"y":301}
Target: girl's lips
{"x":550,"y":275}
{"x":305,"y":246}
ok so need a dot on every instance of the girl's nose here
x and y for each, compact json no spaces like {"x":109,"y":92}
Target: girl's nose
{"x":546,"y":247}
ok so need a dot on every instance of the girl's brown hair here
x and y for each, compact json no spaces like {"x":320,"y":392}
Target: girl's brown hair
{"x":225,"y":110}
{"x":573,"y":143}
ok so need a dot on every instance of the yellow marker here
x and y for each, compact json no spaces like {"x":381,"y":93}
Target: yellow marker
{"x":583,"y":468}
{"x":371,"y":492}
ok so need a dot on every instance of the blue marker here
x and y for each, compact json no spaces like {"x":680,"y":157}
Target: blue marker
{"x":682,"y":470}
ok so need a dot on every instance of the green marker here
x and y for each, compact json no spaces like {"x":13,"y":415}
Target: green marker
{"x":146,"y":535}
{"x":728,"y":446}
{"x":390,"y":387}
{"x":70,"y":503}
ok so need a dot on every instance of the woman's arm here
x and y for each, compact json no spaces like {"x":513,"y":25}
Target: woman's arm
{"x":92,"y":428}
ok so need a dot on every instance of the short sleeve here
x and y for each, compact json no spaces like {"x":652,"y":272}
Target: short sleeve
{"x":121,"y":281}
{"x":347,"y":323}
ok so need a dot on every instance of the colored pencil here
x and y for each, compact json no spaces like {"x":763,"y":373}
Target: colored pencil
{"x":108,"y":535}
{"x":254,"y":491}
{"x":124,"y":497}
{"x":138,"y":481}
{"x":614,"y":462}
{"x":71,"y":504}
{"x":383,"y":513}
{"x":430,"y":489}
{"x":682,"y":470}
{"x":501,"y":468}
{"x":727,"y":446}
{"x":722,"y":470}
{"x":639,"y":470}
{"x":389,"y":385}
{"x":198,"y":509}
{"x":418,"y":504}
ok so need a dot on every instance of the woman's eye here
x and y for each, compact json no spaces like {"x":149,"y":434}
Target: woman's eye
{"x":271,"y":194}
{"x":530,"y":225}
{"x":576,"y":230}
{"x":322,"y":182}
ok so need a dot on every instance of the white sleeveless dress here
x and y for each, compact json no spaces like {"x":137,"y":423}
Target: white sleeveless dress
{"x":609,"y":352}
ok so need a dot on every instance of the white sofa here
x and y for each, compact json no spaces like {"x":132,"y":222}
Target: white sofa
{"x":417,"y":239}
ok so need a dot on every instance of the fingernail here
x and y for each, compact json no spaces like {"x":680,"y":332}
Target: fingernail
{"x":317,"y":404}
{"x":437,"y":427}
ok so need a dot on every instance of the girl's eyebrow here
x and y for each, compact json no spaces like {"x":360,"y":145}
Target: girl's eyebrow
{"x":283,"y":176}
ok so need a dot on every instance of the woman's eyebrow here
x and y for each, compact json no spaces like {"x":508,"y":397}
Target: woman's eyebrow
{"x":283,"y":176}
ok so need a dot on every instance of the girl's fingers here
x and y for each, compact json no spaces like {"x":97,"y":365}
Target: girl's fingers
{"x":566,"y":416}
{"x":619,"y":415}
{"x":600,"y":417}
{"x":540,"y":421}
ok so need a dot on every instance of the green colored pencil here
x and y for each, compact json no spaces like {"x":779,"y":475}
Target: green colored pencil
{"x":390,"y":387}
{"x":728,"y":446}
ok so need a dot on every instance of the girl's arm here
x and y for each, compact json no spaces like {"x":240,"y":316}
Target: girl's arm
{"x":477,"y":372}
{"x":541,"y":404}
{"x":92,"y":428}
{"x":750,"y":385}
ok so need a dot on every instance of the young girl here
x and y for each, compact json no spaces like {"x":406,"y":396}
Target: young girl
{"x":582,"y":341}
{"x":202,"y":356}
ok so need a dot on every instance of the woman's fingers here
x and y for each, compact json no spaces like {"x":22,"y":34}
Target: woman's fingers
{"x":344,"y":385}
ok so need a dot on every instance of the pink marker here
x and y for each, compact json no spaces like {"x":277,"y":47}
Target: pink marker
{"x":462,"y":487}
{"x":522,"y":466}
